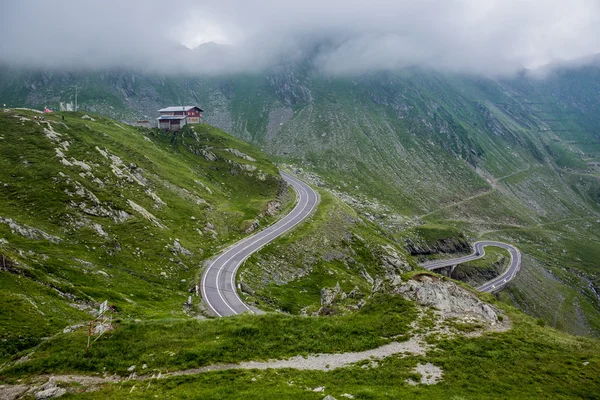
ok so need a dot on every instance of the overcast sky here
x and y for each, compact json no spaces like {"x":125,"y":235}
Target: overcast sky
{"x":480,"y":36}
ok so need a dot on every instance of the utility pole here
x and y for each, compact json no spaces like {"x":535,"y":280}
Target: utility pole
{"x":76,"y":98}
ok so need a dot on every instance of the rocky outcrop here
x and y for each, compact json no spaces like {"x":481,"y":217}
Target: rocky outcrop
{"x":246,"y":288}
{"x":393,"y":263}
{"x":253,"y":226}
{"x":289,"y":87}
{"x":28,"y":231}
{"x":451,"y":300}
{"x":239,"y":154}
{"x":50,"y":391}
{"x":448,"y":245}
{"x":273,"y":207}
{"x":144,"y":213}
{"x":179,"y":249}
{"x":329,"y":295}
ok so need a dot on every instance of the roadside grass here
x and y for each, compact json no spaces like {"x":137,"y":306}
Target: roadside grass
{"x":492,"y":255}
{"x":182,"y":344}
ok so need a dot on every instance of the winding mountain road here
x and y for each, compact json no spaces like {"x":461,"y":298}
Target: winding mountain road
{"x":495,"y":284}
{"x":218,"y":287}
{"x":219,"y":291}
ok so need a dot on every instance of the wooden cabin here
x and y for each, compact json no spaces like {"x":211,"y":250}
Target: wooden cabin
{"x":176,"y":117}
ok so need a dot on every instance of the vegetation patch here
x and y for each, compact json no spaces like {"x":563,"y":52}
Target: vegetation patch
{"x":182,"y":344}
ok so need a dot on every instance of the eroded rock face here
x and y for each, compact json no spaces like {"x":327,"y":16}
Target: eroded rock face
{"x":448,"y":246}
{"x":450,"y":299}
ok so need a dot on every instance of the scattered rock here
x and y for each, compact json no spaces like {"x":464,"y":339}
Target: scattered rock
{"x":179,"y":249}
{"x":246,"y":288}
{"x":207,"y":154}
{"x":238,"y":153}
{"x":247,"y":167}
{"x":49,"y":390}
{"x":394,"y":263}
{"x":449,"y":245}
{"x":273,"y":208}
{"x":158,"y":202}
{"x":12,"y":392}
{"x":72,"y":328}
{"x":430,"y":374}
{"x":355,"y":293}
{"x":204,"y":186}
{"x":210,"y":228}
{"x":100,"y":231}
{"x":131,"y":369}
{"x":255,"y":224}
{"x":328,"y":296}
{"x":52,"y":134}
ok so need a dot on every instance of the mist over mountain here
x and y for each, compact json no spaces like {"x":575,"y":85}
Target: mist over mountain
{"x":483,"y":37}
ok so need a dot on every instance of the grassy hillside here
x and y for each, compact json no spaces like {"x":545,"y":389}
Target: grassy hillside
{"x":529,"y":362}
{"x":479,"y":156}
{"x":94,"y":210}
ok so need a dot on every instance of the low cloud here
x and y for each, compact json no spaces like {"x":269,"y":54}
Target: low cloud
{"x":491,"y":37}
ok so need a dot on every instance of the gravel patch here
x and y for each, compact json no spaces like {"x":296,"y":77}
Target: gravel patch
{"x":430,"y":374}
{"x":326,"y":362}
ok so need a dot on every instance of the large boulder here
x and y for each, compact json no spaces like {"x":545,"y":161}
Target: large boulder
{"x":450,"y":299}
{"x":50,"y":393}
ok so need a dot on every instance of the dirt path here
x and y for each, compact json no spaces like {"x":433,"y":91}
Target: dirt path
{"x":316,"y":362}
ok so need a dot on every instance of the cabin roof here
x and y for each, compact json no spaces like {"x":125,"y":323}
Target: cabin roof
{"x":179,"y":108}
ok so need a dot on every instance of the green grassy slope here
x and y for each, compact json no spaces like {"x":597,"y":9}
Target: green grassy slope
{"x":529,"y":362}
{"x":93,"y":210}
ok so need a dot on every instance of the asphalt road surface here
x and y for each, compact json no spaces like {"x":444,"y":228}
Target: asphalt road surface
{"x":496,"y":283}
{"x":218,"y":287}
